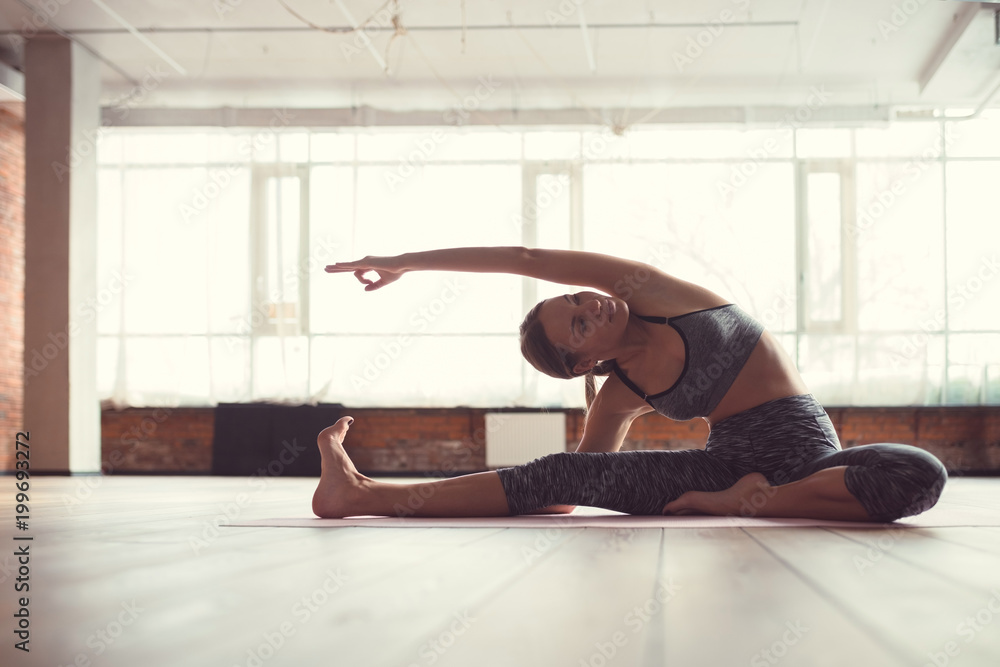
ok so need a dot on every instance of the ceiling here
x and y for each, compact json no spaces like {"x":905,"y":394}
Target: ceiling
{"x":535,"y":54}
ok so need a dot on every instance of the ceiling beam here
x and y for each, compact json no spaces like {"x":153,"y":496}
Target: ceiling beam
{"x":963,"y":19}
{"x":366,"y":116}
{"x":373,"y":29}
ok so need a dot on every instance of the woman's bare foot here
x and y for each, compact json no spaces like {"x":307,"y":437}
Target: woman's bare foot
{"x":744,"y":497}
{"x":340,"y":484}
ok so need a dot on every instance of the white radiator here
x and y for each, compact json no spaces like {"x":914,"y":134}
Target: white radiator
{"x":513,"y":438}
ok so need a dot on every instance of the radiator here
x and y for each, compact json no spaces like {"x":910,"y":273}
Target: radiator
{"x":513,"y":438}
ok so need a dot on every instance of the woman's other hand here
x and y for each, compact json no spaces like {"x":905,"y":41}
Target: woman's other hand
{"x":388,"y":269}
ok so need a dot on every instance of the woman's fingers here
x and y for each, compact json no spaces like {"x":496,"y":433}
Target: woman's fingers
{"x":340,"y":267}
{"x":363,"y":267}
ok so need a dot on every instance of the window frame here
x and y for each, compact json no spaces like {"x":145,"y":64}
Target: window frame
{"x":259,"y":250}
{"x":848,"y":322}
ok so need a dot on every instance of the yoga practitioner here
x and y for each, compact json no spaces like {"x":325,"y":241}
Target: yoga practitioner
{"x":668,"y":346}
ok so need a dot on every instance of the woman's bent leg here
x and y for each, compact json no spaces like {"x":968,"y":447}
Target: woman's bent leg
{"x":801,"y":470}
{"x":890,"y":480}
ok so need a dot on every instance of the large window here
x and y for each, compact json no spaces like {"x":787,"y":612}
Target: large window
{"x":871,"y":253}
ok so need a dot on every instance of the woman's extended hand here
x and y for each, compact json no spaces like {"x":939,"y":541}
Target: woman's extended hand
{"x":389,"y":270}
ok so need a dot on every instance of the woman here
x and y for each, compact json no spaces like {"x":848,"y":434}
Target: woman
{"x":669,"y":346}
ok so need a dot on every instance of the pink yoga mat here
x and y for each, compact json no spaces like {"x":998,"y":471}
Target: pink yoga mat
{"x":943,"y":514}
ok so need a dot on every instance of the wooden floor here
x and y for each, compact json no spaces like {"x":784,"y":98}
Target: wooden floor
{"x":134,"y":571}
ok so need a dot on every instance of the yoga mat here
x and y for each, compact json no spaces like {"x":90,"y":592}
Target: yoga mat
{"x":941,"y":515}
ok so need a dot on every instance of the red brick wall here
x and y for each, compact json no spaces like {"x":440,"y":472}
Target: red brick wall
{"x":157,"y":440}
{"x":445,"y":441}
{"x":11,"y":279}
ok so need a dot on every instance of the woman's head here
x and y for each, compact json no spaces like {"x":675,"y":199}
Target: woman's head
{"x":566,"y":336}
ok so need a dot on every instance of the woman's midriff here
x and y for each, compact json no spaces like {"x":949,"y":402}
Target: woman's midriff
{"x":767,"y":375}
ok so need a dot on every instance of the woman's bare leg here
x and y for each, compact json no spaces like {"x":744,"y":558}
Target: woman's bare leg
{"x":343,"y":491}
{"x":822,"y":495}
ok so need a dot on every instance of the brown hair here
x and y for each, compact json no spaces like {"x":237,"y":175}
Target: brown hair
{"x":555,"y":360}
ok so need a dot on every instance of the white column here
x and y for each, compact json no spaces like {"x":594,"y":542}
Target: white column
{"x":61,"y":118}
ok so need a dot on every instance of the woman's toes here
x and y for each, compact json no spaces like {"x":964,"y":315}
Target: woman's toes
{"x":339,"y":430}
{"x":681,"y":505}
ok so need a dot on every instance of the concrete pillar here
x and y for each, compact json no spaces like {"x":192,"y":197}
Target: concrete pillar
{"x":61,"y":119}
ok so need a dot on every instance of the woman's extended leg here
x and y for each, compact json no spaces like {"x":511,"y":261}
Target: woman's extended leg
{"x":637,"y":482}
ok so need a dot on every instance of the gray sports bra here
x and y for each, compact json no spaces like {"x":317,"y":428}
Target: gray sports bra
{"x":717,"y":343}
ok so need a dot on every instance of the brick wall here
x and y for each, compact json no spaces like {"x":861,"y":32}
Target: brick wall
{"x":174,"y":440}
{"x":11,"y":278}
{"x":446,"y":441}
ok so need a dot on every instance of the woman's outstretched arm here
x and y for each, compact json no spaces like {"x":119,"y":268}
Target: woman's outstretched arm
{"x":612,"y":275}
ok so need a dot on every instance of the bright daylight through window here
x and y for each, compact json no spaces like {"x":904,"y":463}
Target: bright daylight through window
{"x":866,"y":251}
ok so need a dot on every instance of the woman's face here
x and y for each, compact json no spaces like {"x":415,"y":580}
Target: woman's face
{"x":589,"y":324}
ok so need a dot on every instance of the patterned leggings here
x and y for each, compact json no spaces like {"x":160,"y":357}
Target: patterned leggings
{"x":786,"y":439}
